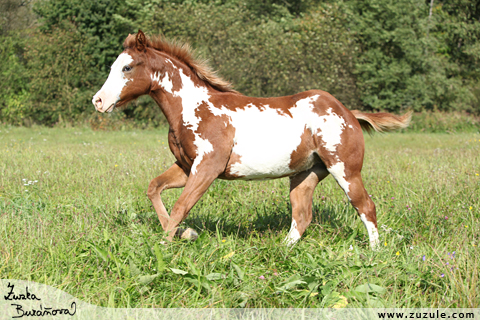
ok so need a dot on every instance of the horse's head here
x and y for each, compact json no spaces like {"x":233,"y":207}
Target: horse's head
{"x":128,"y":78}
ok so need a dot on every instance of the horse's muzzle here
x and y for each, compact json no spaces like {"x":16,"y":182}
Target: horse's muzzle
{"x":98,"y":103}
{"x":101,"y":106}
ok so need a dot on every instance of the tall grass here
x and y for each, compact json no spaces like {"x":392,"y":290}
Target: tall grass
{"x":74,"y":215}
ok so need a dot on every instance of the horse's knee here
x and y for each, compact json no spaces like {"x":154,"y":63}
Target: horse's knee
{"x":152,"y":190}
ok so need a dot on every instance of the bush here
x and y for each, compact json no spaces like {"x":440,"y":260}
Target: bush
{"x":60,"y":70}
{"x":14,"y":85}
{"x":399,"y":65}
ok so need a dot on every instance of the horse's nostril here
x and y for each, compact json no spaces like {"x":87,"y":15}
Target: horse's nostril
{"x":98,"y":102}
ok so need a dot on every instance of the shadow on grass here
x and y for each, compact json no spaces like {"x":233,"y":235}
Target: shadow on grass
{"x":265,"y":220}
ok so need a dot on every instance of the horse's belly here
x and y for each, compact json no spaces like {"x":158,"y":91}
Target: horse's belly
{"x":268,"y":157}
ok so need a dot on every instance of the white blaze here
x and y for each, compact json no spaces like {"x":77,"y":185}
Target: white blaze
{"x":116,"y":81}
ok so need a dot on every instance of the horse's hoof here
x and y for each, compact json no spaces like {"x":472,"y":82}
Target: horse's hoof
{"x":189,"y":234}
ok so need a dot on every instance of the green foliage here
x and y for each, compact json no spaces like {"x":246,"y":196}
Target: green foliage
{"x":398,"y":66}
{"x":15,"y":15}
{"x":458,"y":28}
{"x":13,"y":87}
{"x":270,"y":8}
{"x":375,"y":54}
{"x":60,"y":69}
{"x":65,"y":60}
{"x":103,"y":37}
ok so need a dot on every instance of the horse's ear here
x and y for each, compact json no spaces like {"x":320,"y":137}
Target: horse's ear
{"x":141,"y":41}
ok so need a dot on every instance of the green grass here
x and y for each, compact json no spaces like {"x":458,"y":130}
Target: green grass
{"x":74,"y":215}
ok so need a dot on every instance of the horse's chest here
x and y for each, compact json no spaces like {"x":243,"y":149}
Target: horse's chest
{"x":182,"y":148}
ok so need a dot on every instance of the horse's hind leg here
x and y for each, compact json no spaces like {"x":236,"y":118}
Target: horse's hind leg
{"x":350,"y":179}
{"x":302,"y":187}
{"x":174,"y":177}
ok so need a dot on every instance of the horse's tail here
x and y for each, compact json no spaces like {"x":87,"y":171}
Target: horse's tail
{"x":382,"y":121}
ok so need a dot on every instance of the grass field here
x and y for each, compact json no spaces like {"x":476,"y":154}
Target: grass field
{"x":74,"y":215}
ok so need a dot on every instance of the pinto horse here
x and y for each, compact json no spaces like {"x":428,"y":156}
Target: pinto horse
{"x":216,"y":132}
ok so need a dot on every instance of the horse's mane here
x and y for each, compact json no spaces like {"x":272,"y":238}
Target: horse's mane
{"x":184,"y":53}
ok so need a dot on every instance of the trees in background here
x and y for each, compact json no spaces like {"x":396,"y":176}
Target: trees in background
{"x":408,"y":59}
{"x":370,"y":54}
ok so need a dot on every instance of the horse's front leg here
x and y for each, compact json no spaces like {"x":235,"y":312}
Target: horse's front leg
{"x":174,"y":177}
{"x":198,"y":182}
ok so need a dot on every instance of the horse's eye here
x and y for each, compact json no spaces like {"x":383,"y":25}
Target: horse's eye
{"x":126,"y":68}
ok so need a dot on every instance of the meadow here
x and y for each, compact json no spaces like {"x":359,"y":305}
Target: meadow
{"x":74,"y":215}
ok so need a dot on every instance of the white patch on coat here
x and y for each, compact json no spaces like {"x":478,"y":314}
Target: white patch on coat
{"x":170,"y":61}
{"x":266,"y":139}
{"x":293,"y":235}
{"x":338,"y":172}
{"x":116,"y":81}
{"x":192,"y":97}
{"x":203,"y":147}
{"x":165,"y":83}
{"x":372,"y":231}
{"x":331,"y":130}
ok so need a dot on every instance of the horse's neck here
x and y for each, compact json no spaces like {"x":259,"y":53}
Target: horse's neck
{"x":179,"y":92}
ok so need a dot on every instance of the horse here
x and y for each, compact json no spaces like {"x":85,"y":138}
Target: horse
{"x":216,"y":132}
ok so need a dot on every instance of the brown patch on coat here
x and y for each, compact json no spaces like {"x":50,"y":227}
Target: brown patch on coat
{"x":300,"y":157}
{"x":177,"y":146}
